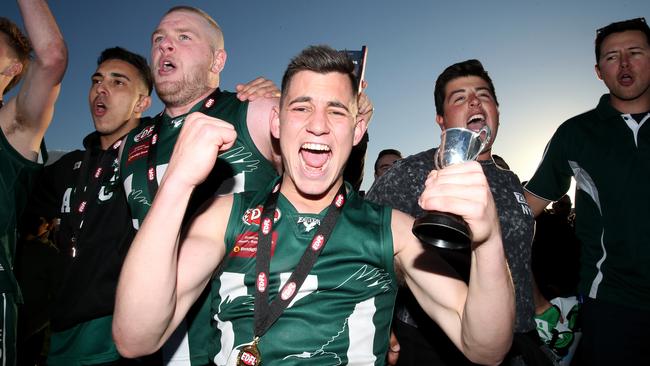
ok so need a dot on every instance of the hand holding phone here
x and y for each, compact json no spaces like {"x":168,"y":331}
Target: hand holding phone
{"x":359,"y":60}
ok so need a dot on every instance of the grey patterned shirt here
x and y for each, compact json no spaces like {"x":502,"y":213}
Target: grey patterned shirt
{"x":403,"y":184}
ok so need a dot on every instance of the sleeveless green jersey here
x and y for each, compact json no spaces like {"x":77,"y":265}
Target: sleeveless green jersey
{"x":17,"y":176}
{"x":86,"y":343}
{"x":241,"y":168}
{"x":342,"y":312}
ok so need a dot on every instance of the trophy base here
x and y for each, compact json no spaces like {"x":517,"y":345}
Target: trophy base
{"x":442,"y":230}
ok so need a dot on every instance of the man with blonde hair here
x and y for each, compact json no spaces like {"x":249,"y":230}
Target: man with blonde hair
{"x":187,"y":58}
{"x":23,"y":122}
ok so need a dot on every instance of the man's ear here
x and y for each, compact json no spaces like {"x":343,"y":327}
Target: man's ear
{"x":219,"y":60}
{"x":440,"y":120}
{"x":359,"y":130}
{"x":598,"y":72}
{"x":144,"y":102}
{"x":275,"y":122}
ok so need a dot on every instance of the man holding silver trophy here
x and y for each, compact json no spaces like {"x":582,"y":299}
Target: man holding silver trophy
{"x":346,"y":285}
{"x":457,"y":145}
{"x":468,"y":115}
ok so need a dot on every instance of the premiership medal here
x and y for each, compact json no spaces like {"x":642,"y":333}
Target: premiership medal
{"x":250,"y":355}
{"x":266,"y":314}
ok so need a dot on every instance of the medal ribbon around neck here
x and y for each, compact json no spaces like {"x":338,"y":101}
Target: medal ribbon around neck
{"x":87,"y":187}
{"x":266,"y":314}
{"x":152,"y":179}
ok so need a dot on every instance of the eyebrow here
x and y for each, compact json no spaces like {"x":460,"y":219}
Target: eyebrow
{"x":631,"y":48}
{"x":337,"y":104}
{"x":480,"y":88}
{"x":334,"y":103}
{"x":301,"y":99}
{"x":113,"y":74}
{"x":177,"y":30}
{"x":118,"y":75}
{"x":185,"y":30}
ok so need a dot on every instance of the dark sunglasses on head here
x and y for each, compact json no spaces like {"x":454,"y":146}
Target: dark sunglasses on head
{"x":640,"y":21}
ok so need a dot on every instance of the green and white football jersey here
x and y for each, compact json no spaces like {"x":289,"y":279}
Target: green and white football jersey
{"x":343,"y":310}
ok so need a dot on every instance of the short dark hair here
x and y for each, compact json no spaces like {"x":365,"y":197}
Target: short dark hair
{"x":137,"y":61}
{"x":387,"y":152}
{"x":20,"y":44}
{"x":461,"y":69}
{"x":638,"y":24}
{"x":321,"y":59}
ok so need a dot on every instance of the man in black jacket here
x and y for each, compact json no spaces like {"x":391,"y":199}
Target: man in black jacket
{"x":84,"y":190}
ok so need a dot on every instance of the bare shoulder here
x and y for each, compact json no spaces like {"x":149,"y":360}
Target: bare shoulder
{"x":263,"y":104}
{"x":259,"y":111}
{"x":259,"y":124}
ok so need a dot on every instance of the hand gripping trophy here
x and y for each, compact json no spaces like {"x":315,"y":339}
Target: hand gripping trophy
{"x":441,"y":229}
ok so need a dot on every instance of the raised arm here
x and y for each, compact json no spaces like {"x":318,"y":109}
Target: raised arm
{"x":26,"y":118}
{"x":353,"y":172}
{"x":165,"y":272}
{"x":478,"y":318}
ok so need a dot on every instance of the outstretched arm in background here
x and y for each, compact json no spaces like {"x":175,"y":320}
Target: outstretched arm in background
{"x":26,"y":117}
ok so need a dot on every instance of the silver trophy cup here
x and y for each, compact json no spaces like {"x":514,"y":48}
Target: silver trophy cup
{"x":441,"y":229}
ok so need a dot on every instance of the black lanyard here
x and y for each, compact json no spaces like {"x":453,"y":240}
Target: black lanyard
{"x":152,"y":179}
{"x":265,"y":314}
{"x":87,"y":188}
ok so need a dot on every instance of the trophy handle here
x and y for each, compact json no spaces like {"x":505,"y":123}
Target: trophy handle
{"x":437,"y":164}
{"x":488,"y":136}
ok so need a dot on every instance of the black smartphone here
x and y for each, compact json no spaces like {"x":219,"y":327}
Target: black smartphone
{"x":359,"y":60}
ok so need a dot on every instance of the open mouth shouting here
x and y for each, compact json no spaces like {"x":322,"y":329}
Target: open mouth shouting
{"x":99,"y":107}
{"x":166,"y":66}
{"x":476,"y":121}
{"x":625,"y":78}
{"x":314,"y":157}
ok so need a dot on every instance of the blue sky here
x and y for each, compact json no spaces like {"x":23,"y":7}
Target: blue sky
{"x":539,"y":54}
